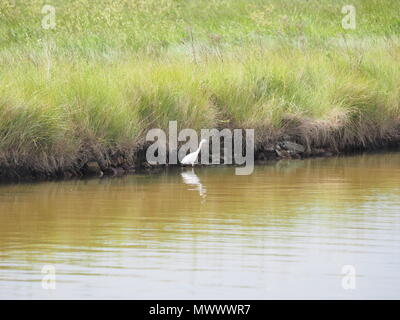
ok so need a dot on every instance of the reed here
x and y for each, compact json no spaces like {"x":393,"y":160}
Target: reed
{"x":111,"y":70}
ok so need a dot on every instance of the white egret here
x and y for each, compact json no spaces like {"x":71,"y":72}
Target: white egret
{"x":191,"y":157}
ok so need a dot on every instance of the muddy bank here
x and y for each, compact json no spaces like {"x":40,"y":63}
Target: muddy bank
{"x":119,"y":163}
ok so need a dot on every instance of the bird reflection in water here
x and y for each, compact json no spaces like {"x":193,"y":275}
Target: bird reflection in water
{"x":190,"y":178}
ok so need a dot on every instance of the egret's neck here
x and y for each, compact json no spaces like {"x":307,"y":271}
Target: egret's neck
{"x":201,"y":143}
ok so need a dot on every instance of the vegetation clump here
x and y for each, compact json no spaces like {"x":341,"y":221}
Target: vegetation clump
{"x":90,"y":88}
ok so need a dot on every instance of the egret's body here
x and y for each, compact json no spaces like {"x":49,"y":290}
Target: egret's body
{"x":192,"y":157}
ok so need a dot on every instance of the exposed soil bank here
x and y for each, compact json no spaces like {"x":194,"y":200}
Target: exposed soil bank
{"x":120,"y":163}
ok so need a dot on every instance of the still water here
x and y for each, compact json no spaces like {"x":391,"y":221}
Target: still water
{"x":286,"y":231}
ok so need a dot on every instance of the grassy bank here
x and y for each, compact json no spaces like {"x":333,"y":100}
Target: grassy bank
{"x":110,"y":70}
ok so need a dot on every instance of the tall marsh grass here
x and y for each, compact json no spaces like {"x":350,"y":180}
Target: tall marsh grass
{"x":111,"y":70}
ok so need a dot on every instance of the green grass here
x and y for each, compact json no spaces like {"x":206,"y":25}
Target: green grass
{"x":111,"y":70}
